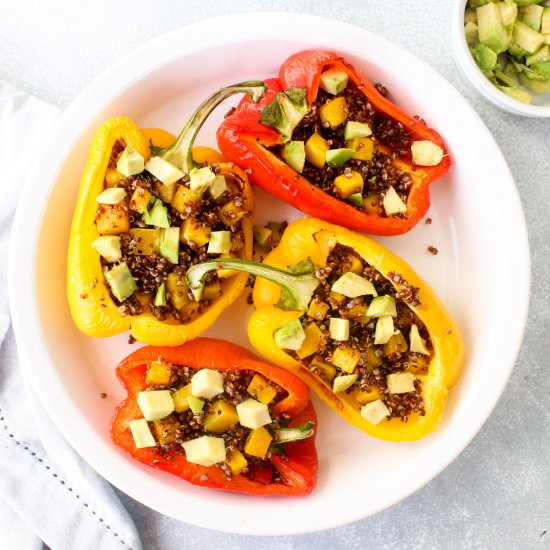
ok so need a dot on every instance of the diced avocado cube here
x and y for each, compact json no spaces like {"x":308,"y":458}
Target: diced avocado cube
{"x":375,"y":411}
{"x":163,"y":170}
{"x":532,"y":16}
{"x":356,"y":129}
{"x":206,"y":450}
{"x":294,"y":154}
{"x":356,"y":199}
{"x":426,"y":153}
{"x":253,"y":414}
{"x":317,"y":309}
{"x":473,"y":4}
{"x":417,"y":344}
{"x":158,"y":373}
{"x":120,"y":280}
{"x":346,"y":358}
{"x":183,"y":198}
{"x":536,"y":86}
{"x":333,"y":81}
{"x":384,"y":330}
{"x":130,"y":162}
{"x":200,"y":179}
{"x":165,"y":191}
{"x":140,"y":199}
{"x":192,"y":232}
{"x":155,"y":404}
{"x":220,"y":417}
{"x":220,"y":242}
{"x":485,"y":58}
{"x":157,"y":215}
{"x":261,"y":389}
{"x":505,"y":79}
{"x":258,"y":442}
{"x":492,"y":31}
{"x":349,"y":183}
{"x":169,"y":244}
{"x":508,"y":13}
{"x":141,"y":433}
{"x":516,"y":93}
{"x":382,"y":306}
{"x":545,"y":21}
{"x":334,"y":112}
{"x":393,"y":203}
{"x":207,"y":383}
{"x":312,"y":341}
{"x":541,"y":69}
{"x":471,"y":33}
{"x":165,"y":430}
{"x":339,"y":329}
{"x":344,"y":382}
{"x":542,"y":54}
{"x":195,"y":404}
{"x":400,"y":382}
{"x":316,"y":148}
{"x":113,"y":195}
{"x":160,"y":296}
{"x":352,"y":285}
{"x":290,"y":336}
{"x":218,"y":187}
{"x":108,"y":247}
{"x":526,"y":38}
{"x":396,"y":344}
{"x":337,"y":157}
{"x":180,"y":398}
{"x":470,"y":16}
{"x":236,"y":462}
{"x":262,"y":236}
{"x":145,"y":241}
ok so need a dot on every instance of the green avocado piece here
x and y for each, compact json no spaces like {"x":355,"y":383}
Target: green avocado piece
{"x":130,"y":162}
{"x":113,"y":195}
{"x":286,"y":111}
{"x":342,"y":383}
{"x":169,"y":244}
{"x":121,"y":282}
{"x":200,"y":179}
{"x":160,"y":296}
{"x":474,"y":4}
{"x":290,"y":336}
{"x":491,"y":29}
{"x":218,"y":187}
{"x":516,"y":93}
{"x":384,"y":330}
{"x":485,"y":58}
{"x":352,"y":285}
{"x":471,"y":33}
{"x":262,"y":236}
{"x":195,"y":404}
{"x":505,"y":79}
{"x":356,"y":129}
{"x":219,"y":243}
{"x":333,"y":81}
{"x":532,"y":16}
{"x":108,"y":247}
{"x":536,"y":86}
{"x":526,"y":38}
{"x":382,"y":306}
{"x":294,"y":154}
{"x":356,"y":199}
{"x":337,"y":157}
{"x":470,"y":16}
{"x":542,"y":54}
{"x":508,"y":13}
{"x":157,"y":214}
{"x":545,"y":21}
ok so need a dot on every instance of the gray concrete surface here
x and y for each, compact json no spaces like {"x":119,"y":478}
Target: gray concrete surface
{"x":497,"y":493}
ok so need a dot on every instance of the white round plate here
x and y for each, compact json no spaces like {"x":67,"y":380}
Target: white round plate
{"x":481,"y":271}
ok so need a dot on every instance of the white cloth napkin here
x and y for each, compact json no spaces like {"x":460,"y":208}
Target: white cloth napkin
{"x":47,"y":492}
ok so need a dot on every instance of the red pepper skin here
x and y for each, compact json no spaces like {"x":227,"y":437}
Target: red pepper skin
{"x":298,"y":469}
{"x":243,"y":140}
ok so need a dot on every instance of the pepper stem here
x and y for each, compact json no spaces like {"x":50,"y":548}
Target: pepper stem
{"x":297,"y":433}
{"x":180,"y":154}
{"x":297,"y":288}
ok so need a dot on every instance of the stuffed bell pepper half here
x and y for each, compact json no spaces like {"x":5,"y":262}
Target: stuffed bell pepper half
{"x":212,"y":413}
{"x":330,"y":143}
{"x":149,"y":207}
{"x":355,"y":323}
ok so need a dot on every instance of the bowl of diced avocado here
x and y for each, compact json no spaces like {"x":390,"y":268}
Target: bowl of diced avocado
{"x":503,"y":48}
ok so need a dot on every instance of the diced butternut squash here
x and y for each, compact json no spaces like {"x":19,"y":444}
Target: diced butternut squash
{"x":146,"y":240}
{"x":112,"y":219}
{"x":112,"y":177}
{"x":396,"y":344}
{"x":176,"y":288}
{"x":158,"y":374}
{"x":348,"y":184}
{"x":355,"y":265}
{"x":372,"y":203}
{"x":261,"y":389}
{"x":336,"y":298}
{"x":258,"y":442}
{"x":165,"y":190}
{"x":312,"y":342}
{"x":183,"y":198}
{"x":334,"y":112}
{"x":192,"y":232}
{"x":317,"y":309}
{"x":165,"y":429}
{"x":226,"y":273}
{"x":364,"y":148}
{"x":212,"y":290}
{"x":236,"y":462}
{"x":327,"y":372}
{"x":346,"y":358}
{"x":372,"y":356}
{"x":363,"y":396}
{"x":316,"y":150}
{"x":180,"y":398}
{"x":140,"y":199}
{"x":231,"y":214}
{"x":358,"y":313}
{"x":220,"y":417}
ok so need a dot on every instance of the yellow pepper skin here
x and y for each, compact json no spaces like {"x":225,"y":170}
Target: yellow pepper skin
{"x":93,"y":310}
{"x":313,"y":238}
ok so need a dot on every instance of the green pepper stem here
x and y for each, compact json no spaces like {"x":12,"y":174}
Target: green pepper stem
{"x":297,"y":433}
{"x":296,"y":288}
{"x":180,"y":154}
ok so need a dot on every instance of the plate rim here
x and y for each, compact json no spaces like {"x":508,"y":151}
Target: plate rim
{"x":67,"y":119}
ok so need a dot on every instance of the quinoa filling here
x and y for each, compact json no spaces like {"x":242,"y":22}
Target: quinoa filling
{"x":161,"y":229}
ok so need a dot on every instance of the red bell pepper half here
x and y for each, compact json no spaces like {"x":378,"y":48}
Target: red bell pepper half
{"x":292,"y":472}
{"x":244,"y":139}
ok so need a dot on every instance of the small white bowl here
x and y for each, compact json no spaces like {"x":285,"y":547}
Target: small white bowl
{"x":540,"y":107}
